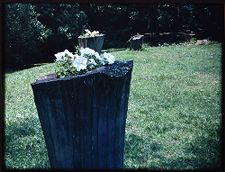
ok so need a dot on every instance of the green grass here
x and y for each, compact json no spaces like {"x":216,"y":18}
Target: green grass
{"x":174,"y":117}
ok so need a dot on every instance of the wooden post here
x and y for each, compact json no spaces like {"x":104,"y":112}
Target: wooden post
{"x":136,"y":41}
{"x":83,"y":118}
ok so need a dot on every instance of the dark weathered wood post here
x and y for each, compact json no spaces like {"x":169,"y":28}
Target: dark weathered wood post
{"x":83,"y":117}
{"x":94,"y":43}
{"x":136,"y":41}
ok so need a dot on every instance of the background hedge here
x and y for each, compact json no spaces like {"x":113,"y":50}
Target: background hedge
{"x":35,"y":32}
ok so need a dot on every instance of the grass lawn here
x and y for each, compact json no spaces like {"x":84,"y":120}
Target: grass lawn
{"x":174,"y":116}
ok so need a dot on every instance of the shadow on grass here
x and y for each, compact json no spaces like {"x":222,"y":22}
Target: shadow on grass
{"x":140,"y":153}
{"x":137,"y":150}
{"x":13,"y":69}
{"x":24,"y":145}
{"x":206,"y":155}
{"x":19,"y":129}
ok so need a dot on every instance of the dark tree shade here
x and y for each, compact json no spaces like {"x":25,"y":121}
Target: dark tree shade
{"x":35,"y":32}
{"x":65,"y":21}
{"x":23,"y":33}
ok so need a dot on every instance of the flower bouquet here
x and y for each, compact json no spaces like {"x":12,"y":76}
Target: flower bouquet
{"x":88,"y":34}
{"x":86,"y":59}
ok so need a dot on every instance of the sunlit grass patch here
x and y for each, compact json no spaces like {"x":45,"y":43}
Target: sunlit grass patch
{"x":173,"y":117}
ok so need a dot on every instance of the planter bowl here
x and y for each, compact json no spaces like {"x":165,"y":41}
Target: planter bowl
{"x":94,"y":43}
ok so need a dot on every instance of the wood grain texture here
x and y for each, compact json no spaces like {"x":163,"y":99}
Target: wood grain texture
{"x":83,"y":118}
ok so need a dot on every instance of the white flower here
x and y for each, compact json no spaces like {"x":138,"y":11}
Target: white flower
{"x":80,"y":63}
{"x":97,"y":56}
{"x":60,"y":56}
{"x":91,"y":34}
{"x":87,"y":51}
{"x":68,"y":53}
{"x":74,"y":57}
{"x":108,"y":58}
{"x":92,"y":62}
{"x":90,"y":52}
{"x":88,"y":32}
{"x":94,"y":33}
{"x":88,"y":60}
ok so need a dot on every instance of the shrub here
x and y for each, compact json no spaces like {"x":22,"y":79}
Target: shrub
{"x":23,"y":33}
{"x":66,"y":22}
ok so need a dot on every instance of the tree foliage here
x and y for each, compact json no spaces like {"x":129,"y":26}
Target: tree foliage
{"x":23,"y":33}
{"x":65,"y":21}
{"x":38,"y":31}
{"x":35,"y":33}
